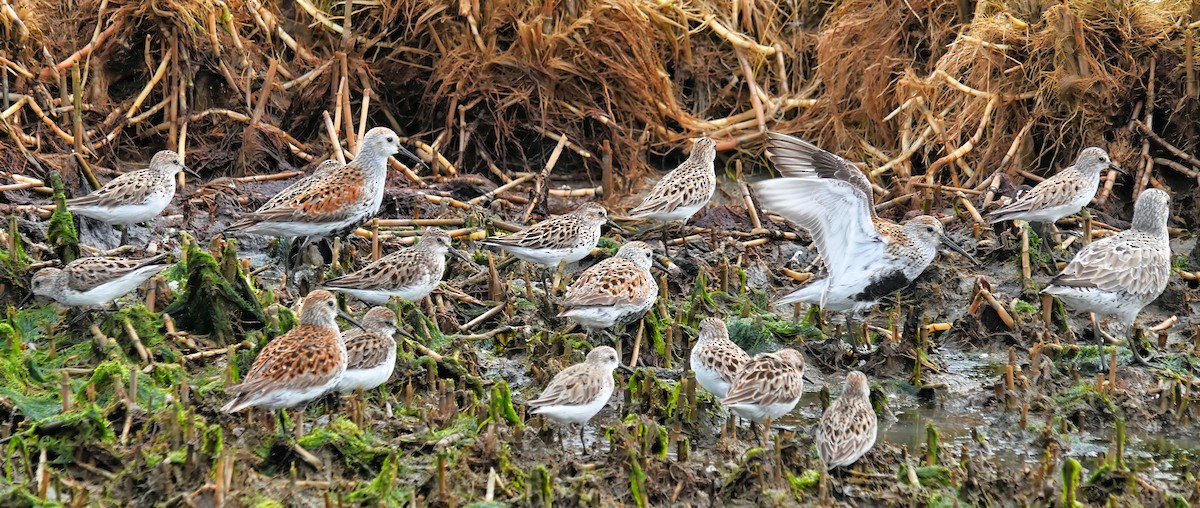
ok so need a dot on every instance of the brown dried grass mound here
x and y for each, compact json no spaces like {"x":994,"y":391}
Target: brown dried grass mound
{"x":922,"y":92}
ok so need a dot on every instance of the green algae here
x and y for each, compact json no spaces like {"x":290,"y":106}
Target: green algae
{"x":538,"y":487}
{"x":805,"y":481}
{"x":61,"y":232}
{"x":1071,"y":472}
{"x":217,"y":298}
{"x":500,"y":407}
{"x":357,"y":447}
{"x":382,"y":490}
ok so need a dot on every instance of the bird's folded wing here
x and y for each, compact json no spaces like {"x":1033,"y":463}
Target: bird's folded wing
{"x":611,"y":282}
{"x":89,"y":273}
{"x":569,"y":388}
{"x":125,"y":189}
{"x":1129,"y":262}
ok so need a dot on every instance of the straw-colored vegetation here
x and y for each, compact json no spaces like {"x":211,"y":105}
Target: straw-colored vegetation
{"x":945,"y":104}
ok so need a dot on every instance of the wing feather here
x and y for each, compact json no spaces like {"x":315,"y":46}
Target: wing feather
{"x":833,"y":212}
{"x":795,"y":157}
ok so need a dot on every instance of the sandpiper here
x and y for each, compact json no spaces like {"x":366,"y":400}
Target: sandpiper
{"x":684,"y":191}
{"x":94,"y":281}
{"x":558,"y":239}
{"x":767,"y":387}
{"x":866,"y":257}
{"x":134,"y":197}
{"x":1120,"y":274}
{"x":335,"y":204}
{"x":616,"y":290}
{"x":580,"y":391}
{"x":410,"y":273}
{"x":847,"y":429}
{"x":1061,"y":195}
{"x":715,"y":359}
{"x":370,"y":351}
{"x":300,"y":365}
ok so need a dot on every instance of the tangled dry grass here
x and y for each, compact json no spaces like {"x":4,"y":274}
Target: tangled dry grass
{"x":924,"y":93}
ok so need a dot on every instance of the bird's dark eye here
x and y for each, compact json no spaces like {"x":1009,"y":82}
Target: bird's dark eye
{"x":390,"y":140}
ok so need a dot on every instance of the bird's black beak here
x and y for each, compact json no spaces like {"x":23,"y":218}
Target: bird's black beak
{"x":190,"y":172}
{"x":612,"y":224}
{"x":957,"y":248}
{"x":464,"y":257}
{"x":658,"y":264}
{"x":411,"y":155}
{"x":625,"y":368}
{"x":1113,"y":166}
{"x":351,"y":319}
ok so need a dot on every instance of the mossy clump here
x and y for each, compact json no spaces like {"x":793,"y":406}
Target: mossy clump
{"x":382,"y":490}
{"x":217,"y":299}
{"x":61,"y":232}
{"x":500,"y":407}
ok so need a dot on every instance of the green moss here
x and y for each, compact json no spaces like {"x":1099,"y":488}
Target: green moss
{"x":355,"y":446}
{"x":213,"y":302}
{"x":637,"y":480}
{"x":1177,"y":501}
{"x":806,"y":481}
{"x":147,"y":325}
{"x":941,"y":500}
{"x":1084,"y":397}
{"x":538,"y":491}
{"x":931,"y":444}
{"x":61,"y":233}
{"x":1071,"y":472}
{"x":13,"y":261}
{"x":382,"y":490}
{"x":1025,"y":307}
{"x":214,"y":440}
{"x":260,"y":502}
{"x":34,"y":407}
{"x":104,"y":377}
{"x":84,"y":425}
{"x":500,"y":406}
{"x":926,"y":475}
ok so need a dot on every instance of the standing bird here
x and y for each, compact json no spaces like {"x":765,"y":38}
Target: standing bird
{"x":580,"y":391}
{"x":300,"y":365}
{"x":1061,"y":195}
{"x":370,"y":351}
{"x":343,"y":199}
{"x":410,"y":273}
{"x":847,"y":429}
{"x":867,"y":258}
{"x":768,"y":386}
{"x":715,"y":359}
{"x":1120,"y":274}
{"x":137,"y":196}
{"x":95,"y":281}
{"x":683,"y":191}
{"x":614,"y":291}
{"x":558,"y":239}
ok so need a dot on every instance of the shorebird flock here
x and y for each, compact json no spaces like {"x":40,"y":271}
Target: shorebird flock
{"x":866,"y":259}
